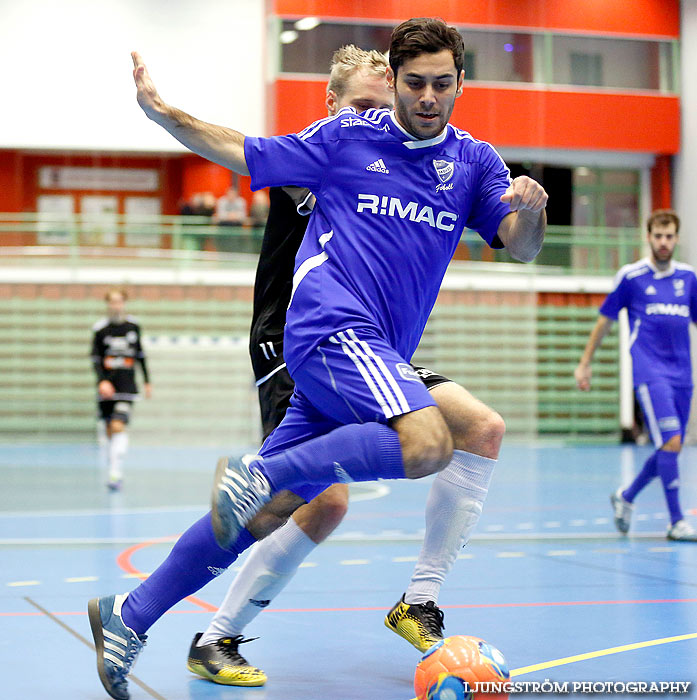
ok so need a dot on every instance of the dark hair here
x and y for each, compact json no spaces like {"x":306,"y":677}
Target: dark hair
{"x":425,"y":35}
{"x":663,"y":216}
{"x":116,"y":290}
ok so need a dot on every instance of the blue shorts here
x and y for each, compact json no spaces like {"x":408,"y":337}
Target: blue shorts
{"x":666,"y":409}
{"x":352,"y":377}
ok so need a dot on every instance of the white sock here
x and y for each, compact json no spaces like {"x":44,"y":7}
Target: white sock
{"x":118,"y":446}
{"x":271,"y":563}
{"x":452,"y":511}
{"x":103,"y":446}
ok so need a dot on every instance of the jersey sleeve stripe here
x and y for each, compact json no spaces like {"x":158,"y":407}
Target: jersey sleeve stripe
{"x":466,"y":136}
{"x":313,"y":128}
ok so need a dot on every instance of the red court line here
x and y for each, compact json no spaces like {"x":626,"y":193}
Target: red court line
{"x":124,"y":562}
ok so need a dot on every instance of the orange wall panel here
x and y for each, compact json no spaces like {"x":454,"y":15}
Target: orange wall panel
{"x":661,"y":186}
{"x":634,"y":17}
{"x":10,"y":181}
{"x":534,"y":118}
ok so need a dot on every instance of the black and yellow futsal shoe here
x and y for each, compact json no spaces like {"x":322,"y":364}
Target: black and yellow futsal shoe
{"x":222,"y":663}
{"x":420,"y":624}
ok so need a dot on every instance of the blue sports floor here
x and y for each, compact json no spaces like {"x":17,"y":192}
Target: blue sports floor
{"x":546,"y":578}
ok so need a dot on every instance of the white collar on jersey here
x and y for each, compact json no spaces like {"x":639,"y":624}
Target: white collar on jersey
{"x":419,"y":143}
{"x":660,"y":274}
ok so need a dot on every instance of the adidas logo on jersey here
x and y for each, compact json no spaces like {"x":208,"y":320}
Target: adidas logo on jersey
{"x":378,"y":167}
{"x":651,"y":289}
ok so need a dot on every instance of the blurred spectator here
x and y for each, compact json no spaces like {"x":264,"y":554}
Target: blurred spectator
{"x":259,"y":210}
{"x":184,"y":207}
{"x":204,"y":204}
{"x":231,"y":209}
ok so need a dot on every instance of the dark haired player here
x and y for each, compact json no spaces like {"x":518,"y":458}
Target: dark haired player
{"x":394,"y":191}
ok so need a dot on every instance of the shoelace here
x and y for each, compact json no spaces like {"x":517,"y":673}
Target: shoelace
{"x":228,"y":646}
{"x":129,"y":658}
{"x":247,"y":504}
{"x":433,"y":617}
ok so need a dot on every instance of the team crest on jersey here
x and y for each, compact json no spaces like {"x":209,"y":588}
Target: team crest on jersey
{"x":444,"y":169}
{"x":679,"y":287}
{"x":651,"y":290}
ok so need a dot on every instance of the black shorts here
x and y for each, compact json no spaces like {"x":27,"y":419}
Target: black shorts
{"x":274,"y":399}
{"x":275,"y":393}
{"x":430,"y":378}
{"x":114,"y":410}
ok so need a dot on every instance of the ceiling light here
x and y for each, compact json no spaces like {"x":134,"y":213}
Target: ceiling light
{"x":306,"y":23}
{"x":288,"y":37}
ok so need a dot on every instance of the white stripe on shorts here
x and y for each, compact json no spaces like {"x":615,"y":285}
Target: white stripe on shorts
{"x":398,"y":393}
{"x":374,"y":370}
{"x":387,"y":410}
{"x":650,"y":415}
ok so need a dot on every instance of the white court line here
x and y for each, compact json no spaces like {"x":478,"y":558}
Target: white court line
{"x":353,"y":536}
{"x":63,"y":541}
{"x":103,"y":511}
{"x":80,"y":579}
{"x":354,"y":562}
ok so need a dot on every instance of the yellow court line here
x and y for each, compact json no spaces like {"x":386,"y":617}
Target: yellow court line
{"x":595,"y":654}
{"x":601,"y":652}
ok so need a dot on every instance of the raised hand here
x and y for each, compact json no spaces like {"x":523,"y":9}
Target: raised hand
{"x":525,"y":193}
{"x":148,"y":97}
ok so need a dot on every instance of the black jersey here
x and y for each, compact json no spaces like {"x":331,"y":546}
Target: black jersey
{"x":116,"y":347}
{"x":285,"y":228}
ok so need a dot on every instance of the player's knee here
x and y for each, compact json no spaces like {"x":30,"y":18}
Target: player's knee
{"x":117,"y":426}
{"x":491,"y":431}
{"x":428,"y":452}
{"x":674,"y":444}
{"x":332,"y":504}
{"x":481,"y":433}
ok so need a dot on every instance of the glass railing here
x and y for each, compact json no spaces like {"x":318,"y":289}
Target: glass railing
{"x":32,"y":238}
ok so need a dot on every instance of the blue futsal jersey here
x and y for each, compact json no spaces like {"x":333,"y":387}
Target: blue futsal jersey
{"x":660,"y":306}
{"x":390,"y":212}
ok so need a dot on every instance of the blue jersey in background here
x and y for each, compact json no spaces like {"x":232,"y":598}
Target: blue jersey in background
{"x":660,"y":306}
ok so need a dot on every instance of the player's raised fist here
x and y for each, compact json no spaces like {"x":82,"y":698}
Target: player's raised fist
{"x":147,"y":96}
{"x":525,"y":193}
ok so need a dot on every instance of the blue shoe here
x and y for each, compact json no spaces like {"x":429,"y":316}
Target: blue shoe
{"x":117,"y":646}
{"x":239,"y":491}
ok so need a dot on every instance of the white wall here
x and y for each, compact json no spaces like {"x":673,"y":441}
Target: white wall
{"x":67,"y":81}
